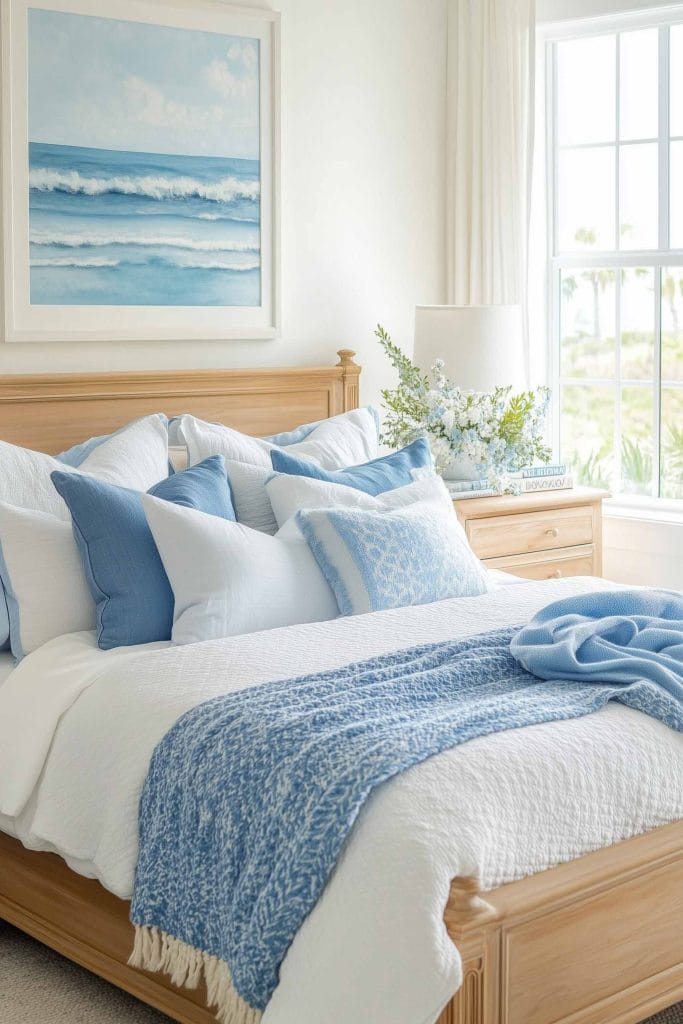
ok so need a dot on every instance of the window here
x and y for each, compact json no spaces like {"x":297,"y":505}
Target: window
{"x":615,"y":166}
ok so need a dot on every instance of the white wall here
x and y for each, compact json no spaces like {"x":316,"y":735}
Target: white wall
{"x":363,"y":125}
{"x":644,"y":551}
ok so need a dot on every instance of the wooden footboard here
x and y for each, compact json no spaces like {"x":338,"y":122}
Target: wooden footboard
{"x":87,"y":924}
{"x":596,"y":941}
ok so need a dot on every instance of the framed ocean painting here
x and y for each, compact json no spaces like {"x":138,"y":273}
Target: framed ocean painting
{"x":140,"y":170}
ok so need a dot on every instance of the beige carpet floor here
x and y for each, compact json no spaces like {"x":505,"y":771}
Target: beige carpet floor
{"x":38,"y":986}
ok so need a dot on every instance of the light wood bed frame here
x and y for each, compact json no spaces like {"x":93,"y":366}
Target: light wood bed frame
{"x":598,"y":940}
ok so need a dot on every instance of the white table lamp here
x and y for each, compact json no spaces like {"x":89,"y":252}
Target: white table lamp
{"x":482,"y":346}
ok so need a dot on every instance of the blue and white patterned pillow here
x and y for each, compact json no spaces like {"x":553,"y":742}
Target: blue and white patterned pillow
{"x":376,"y":560}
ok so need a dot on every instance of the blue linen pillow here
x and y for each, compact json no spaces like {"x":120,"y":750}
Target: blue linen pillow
{"x":378,"y":560}
{"x":122,"y":565}
{"x":385,"y":473}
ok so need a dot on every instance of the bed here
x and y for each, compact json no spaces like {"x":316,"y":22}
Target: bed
{"x":595,"y":940}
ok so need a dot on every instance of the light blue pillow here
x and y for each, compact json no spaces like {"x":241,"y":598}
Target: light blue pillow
{"x":377,"y":560}
{"x":122,"y":565}
{"x":383,"y":474}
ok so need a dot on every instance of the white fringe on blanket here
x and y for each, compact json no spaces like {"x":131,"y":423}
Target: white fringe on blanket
{"x":154,"y":950}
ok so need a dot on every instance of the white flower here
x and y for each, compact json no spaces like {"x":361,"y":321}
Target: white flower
{"x":448,"y":420}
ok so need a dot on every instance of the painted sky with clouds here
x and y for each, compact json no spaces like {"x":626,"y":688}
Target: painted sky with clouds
{"x":115,"y":84}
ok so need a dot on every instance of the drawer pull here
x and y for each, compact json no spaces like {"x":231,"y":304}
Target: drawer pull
{"x":555,"y":575}
{"x":554,"y":532}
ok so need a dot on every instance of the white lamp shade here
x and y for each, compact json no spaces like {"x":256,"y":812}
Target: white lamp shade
{"x":482,"y":346}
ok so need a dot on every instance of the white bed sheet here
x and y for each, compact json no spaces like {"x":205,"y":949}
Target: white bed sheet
{"x":375,"y":947}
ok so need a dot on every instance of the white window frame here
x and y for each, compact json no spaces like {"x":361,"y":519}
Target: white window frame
{"x":548,"y":37}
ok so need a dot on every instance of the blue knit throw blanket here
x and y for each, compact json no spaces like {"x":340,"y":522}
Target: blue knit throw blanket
{"x":250,"y":796}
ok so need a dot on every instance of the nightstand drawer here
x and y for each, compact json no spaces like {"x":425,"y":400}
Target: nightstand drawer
{"x":576,"y":561}
{"x":531,"y":531}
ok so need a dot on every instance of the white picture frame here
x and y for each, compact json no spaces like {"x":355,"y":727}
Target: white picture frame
{"x":46,"y":321}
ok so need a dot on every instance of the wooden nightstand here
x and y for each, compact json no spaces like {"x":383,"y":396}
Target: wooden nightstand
{"x":540,"y":536}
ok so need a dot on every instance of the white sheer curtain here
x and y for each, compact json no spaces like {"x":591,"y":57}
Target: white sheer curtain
{"x":489,"y":138}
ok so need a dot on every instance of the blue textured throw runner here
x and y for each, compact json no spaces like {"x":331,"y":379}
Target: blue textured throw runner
{"x":250,"y":797}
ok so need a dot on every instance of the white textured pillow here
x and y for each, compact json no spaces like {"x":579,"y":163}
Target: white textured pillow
{"x":47,"y":593}
{"x":177,"y":456}
{"x":291,"y":494}
{"x":228,"y":579}
{"x":249,"y":497}
{"x":135,"y":456}
{"x":341,"y":441}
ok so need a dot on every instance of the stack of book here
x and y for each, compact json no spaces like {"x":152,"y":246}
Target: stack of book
{"x":528,"y":481}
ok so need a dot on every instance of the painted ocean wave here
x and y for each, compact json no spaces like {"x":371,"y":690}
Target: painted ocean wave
{"x":46,"y":179}
{"x":113,"y":204}
{"x":90,"y":239}
{"x":74,"y":262}
{"x":239,"y":262}
{"x":109,"y":227}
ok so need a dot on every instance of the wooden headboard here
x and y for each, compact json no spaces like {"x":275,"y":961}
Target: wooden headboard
{"x":51,"y":412}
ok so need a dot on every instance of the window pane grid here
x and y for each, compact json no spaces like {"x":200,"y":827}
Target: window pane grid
{"x":623,"y":426}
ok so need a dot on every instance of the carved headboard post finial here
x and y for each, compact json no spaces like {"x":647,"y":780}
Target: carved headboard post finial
{"x":350,"y":374}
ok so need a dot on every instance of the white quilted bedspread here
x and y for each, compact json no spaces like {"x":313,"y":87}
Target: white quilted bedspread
{"x":78,"y":726}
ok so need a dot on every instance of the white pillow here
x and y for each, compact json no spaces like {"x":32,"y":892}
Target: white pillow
{"x":47,"y":593}
{"x":291,"y":494}
{"x":228,"y":579}
{"x":249,"y":497}
{"x":344,"y":440}
{"x":177,"y":456}
{"x":135,"y":456}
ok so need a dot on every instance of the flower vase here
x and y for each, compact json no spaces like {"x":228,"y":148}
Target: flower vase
{"x":462,"y":469}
